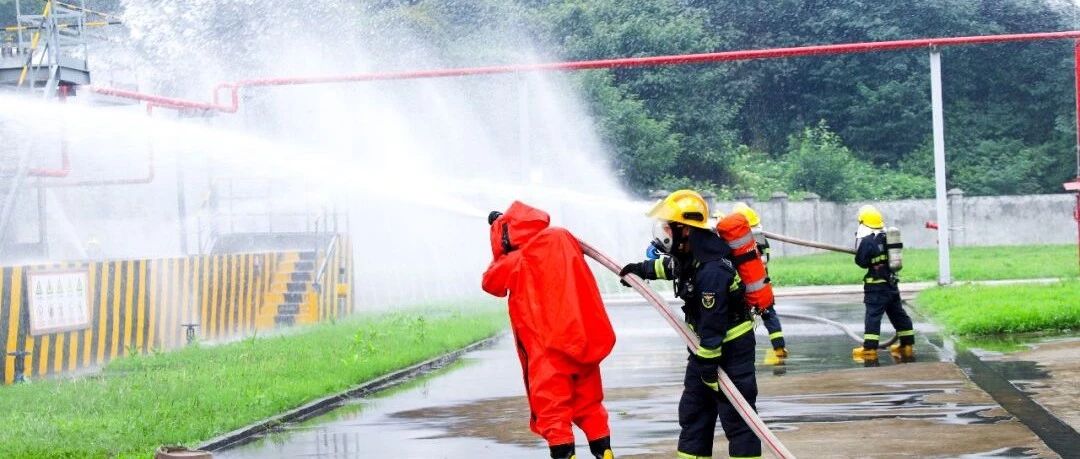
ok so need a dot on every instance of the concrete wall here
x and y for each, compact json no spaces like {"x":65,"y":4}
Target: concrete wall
{"x":982,"y":220}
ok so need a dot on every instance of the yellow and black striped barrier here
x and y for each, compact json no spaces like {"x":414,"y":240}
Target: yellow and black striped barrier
{"x":133,"y":306}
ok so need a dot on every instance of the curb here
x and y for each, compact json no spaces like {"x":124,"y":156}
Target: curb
{"x":325,"y":404}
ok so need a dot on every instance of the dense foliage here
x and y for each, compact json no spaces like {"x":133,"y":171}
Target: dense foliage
{"x":845,"y":127}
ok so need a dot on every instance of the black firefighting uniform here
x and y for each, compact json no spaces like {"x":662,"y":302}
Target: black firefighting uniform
{"x":880,"y":293}
{"x":716,"y":310}
{"x":768,"y":315}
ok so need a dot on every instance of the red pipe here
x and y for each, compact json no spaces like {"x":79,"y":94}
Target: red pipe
{"x":161,"y":101}
{"x":683,"y":59}
{"x":130,"y":181}
{"x":65,"y":165}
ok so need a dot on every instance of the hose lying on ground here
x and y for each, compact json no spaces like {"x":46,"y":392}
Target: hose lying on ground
{"x":847,"y":330}
{"x":726,"y":386}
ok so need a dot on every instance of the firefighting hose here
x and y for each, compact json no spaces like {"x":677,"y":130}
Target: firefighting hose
{"x":803,"y":242}
{"x":844,"y":328}
{"x":726,"y":386}
{"x":835,"y":248}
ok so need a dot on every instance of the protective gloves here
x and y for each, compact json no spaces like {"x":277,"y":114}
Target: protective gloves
{"x":710,"y":376}
{"x":632,"y":268}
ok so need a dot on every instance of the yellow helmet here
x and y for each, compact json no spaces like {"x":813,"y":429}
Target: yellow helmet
{"x":683,"y":206}
{"x":869,"y":216}
{"x":751,"y":216}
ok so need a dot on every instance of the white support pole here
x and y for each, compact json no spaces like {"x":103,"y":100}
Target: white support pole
{"x":944,"y":271}
{"x":524,"y":129}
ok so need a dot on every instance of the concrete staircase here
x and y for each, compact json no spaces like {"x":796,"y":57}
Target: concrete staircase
{"x":290,"y":298}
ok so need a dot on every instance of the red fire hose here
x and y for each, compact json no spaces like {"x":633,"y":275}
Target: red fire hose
{"x":726,"y":386}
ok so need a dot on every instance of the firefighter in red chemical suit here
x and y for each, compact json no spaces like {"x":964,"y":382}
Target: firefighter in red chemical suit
{"x":560,"y":327}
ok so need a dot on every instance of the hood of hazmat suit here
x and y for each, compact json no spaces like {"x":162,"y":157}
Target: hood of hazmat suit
{"x":554,"y":300}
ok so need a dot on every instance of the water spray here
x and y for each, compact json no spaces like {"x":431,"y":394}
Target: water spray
{"x":746,"y":412}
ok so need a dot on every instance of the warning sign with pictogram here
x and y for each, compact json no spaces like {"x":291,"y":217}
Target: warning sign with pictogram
{"x":58,"y":301}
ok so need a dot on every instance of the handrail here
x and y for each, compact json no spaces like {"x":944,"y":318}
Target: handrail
{"x":330,"y":248}
{"x":35,"y":38}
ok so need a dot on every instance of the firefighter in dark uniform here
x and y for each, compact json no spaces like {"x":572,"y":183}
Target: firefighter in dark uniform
{"x":881,"y":293}
{"x":705,"y":279}
{"x":768,"y":315}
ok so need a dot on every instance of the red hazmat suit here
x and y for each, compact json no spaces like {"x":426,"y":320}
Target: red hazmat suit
{"x":560,"y":326}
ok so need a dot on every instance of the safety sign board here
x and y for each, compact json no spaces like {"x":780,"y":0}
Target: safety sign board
{"x":58,"y":301}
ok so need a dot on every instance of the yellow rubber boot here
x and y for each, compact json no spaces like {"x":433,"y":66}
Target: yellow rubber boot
{"x":861,"y":355}
{"x":608,"y":454}
{"x":775,"y":356}
{"x":902,"y":352}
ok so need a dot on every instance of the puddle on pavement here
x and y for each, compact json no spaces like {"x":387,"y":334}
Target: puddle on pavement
{"x":475,"y":408}
{"x":1027,"y":388}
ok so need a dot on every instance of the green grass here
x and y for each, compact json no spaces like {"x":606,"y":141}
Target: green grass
{"x":193,"y":394}
{"x":1004,"y":309}
{"x":968,"y":263}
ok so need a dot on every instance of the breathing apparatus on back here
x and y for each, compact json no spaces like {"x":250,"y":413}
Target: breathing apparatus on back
{"x":871,"y":222}
{"x":894,"y":245}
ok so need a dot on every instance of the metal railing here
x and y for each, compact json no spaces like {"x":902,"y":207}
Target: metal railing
{"x":331,"y":247}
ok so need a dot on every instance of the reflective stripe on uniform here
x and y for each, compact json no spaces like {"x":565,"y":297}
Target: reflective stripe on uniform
{"x":682,"y":455}
{"x":707,"y":353}
{"x":880,"y":259}
{"x":735,"y":282}
{"x":775,"y":335}
{"x":874,"y":281}
{"x":755,"y":286}
{"x":732,"y":333}
{"x":870,"y":336}
{"x":738,"y":330}
{"x":658,"y":266}
{"x":905,"y":333}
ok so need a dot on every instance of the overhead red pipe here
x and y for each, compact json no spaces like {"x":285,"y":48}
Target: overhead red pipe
{"x":161,"y":101}
{"x":683,"y":59}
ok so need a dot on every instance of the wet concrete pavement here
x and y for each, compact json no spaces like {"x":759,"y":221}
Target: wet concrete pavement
{"x":1049,"y":372}
{"x":821,"y":403}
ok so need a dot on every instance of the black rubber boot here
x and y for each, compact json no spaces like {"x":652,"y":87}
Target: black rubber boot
{"x":601,"y":448}
{"x":563,"y":451}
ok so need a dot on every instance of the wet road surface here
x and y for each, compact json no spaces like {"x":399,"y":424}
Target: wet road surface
{"x":820,"y":402}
